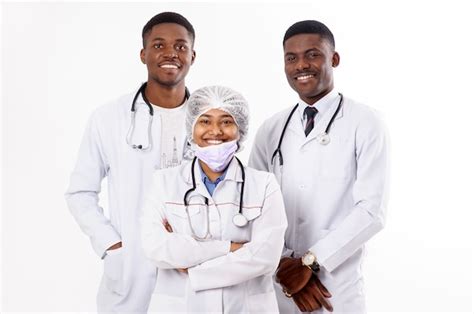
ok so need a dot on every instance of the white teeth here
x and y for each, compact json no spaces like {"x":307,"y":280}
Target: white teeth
{"x":169,"y":66}
{"x":304,"y":77}
{"x":214,"y":142}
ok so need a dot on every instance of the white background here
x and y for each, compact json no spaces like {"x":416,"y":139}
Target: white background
{"x":412,"y":60}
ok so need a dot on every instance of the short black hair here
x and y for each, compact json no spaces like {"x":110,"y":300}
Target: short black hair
{"x":168,"y":17}
{"x":310,"y":27}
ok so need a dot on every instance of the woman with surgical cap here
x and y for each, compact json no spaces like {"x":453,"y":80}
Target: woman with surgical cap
{"x":213,"y":227}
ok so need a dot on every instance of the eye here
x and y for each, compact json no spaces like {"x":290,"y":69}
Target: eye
{"x":290,"y":58}
{"x":227,"y":122}
{"x":313,"y":54}
{"x":181,"y":47}
{"x":158,"y":46}
{"x":204,"y":121}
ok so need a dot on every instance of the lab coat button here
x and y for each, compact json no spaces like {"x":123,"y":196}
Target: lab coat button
{"x":302,"y":186}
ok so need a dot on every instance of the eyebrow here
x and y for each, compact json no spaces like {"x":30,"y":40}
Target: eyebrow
{"x":304,"y":52}
{"x":177,"y":40}
{"x":205,"y":115}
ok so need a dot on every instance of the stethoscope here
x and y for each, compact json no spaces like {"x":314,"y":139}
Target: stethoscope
{"x":239,"y":219}
{"x":322,"y":138}
{"x":131,"y":130}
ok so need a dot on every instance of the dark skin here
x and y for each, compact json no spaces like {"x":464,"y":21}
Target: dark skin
{"x":168,"y":54}
{"x":309,"y":63}
{"x":313,"y":296}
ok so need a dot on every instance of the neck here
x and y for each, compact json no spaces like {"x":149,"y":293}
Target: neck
{"x":311,"y":100}
{"x":165,"y":96}
{"x":212,"y":175}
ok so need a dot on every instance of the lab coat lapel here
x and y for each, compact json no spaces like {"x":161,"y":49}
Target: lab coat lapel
{"x":233,"y":171}
{"x":200,"y":187}
{"x":295,"y":125}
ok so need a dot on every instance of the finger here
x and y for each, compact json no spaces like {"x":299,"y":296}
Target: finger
{"x":309,"y":292}
{"x":322,"y":300}
{"x":299,"y":304}
{"x":304,"y":304}
{"x":323,"y":289}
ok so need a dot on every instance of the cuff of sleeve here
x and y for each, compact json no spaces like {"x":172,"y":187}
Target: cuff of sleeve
{"x":105,"y":240}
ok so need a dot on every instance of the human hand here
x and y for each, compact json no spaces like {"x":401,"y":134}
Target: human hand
{"x":313,"y":296}
{"x":117,"y":245}
{"x":234,"y":246}
{"x":167,"y":226}
{"x":292,"y":274}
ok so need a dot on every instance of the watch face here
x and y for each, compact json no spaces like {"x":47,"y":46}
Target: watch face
{"x":308,"y":259}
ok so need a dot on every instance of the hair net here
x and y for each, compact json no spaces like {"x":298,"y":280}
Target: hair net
{"x":217,"y":97}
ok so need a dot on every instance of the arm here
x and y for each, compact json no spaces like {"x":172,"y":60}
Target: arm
{"x":369,"y":193}
{"x":171,"y":249}
{"x":258,"y":156}
{"x":82,"y":195}
{"x":258,"y":257}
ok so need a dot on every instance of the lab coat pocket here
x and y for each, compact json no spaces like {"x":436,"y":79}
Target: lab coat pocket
{"x":113,"y":270}
{"x":183,"y":217}
{"x":244,"y":233}
{"x":262,"y":303}
{"x":337,"y":160}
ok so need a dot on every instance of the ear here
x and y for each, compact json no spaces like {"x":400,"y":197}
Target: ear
{"x":193,"y":57}
{"x":335,"y":59}
{"x":142,"y":55}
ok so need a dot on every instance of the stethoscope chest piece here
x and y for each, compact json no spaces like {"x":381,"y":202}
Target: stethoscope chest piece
{"x":323,"y":138}
{"x":239,"y":220}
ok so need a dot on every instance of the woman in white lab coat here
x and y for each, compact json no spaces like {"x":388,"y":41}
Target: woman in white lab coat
{"x":213,"y":227}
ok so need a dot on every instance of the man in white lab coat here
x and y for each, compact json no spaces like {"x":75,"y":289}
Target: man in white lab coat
{"x":330,"y":156}
{"x":127,"y":150}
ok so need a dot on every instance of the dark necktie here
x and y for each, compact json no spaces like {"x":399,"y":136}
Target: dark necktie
{"x":310,"y":113}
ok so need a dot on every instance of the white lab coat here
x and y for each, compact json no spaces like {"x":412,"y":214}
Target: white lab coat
{"x":217,"y":280}
{"x":335,"y":194}
{"x":129,"y":277}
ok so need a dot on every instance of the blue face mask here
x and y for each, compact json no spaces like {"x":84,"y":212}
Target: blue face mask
{"x":216,"y":157}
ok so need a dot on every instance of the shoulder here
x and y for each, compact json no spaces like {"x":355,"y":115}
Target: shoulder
{"x":275,"y":123}
{"x":360,"y":110}
{"x":279,"y":117}
{"x":261,"y":179}
{"x":118,"y":106}
{"x":367,"y":120}
{"x":172,"y":179}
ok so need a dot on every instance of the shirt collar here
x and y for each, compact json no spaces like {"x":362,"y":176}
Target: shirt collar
{"x":321,"y":105}
{"x":205,"y":178}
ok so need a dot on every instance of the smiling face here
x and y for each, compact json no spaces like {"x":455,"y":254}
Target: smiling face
{"x":215,"y":127}
{"x":309,"y":60}
{"x":168,"y":54}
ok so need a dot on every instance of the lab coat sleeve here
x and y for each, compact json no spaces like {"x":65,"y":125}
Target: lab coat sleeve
{"x":171,"y":249}
{"x":258,"y":257}
{"x":258,"y":155}
{"x":82,"y":195}
{"x":367,"y":216}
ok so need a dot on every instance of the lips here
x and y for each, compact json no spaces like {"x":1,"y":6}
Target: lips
{"x":169,"y":65}
{"x":303,"y":77}
{"x":214,"y":142}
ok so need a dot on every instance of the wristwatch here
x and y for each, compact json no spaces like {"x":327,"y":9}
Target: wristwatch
{"x":309,"y":260}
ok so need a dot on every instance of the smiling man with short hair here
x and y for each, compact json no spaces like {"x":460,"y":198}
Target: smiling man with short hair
{"x":330,"y":156}
{"x":125,"y":141}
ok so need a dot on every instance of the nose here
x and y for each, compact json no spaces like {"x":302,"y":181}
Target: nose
{"x":215,"y":129}
{"x":302,"y":64}
{"x":170,"y":52}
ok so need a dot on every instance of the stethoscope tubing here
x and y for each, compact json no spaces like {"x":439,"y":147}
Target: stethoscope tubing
{"x":283,"y":132}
